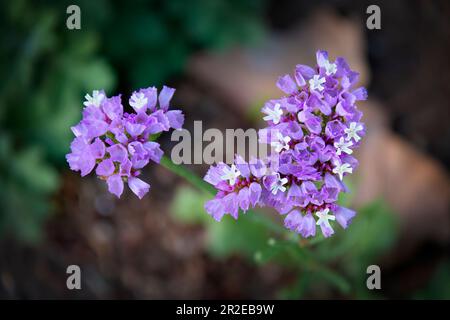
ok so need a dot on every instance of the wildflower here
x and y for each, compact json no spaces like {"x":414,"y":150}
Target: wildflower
{"x":116,"y":143}
{"x":313,"y":129}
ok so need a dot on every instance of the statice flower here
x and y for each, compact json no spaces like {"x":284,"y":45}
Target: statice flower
{"x":239,"y":187}
{"x":119,"y":144}
{"x":313,"y":130}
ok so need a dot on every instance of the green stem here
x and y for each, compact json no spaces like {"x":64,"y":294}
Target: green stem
{"x":188,"y":175}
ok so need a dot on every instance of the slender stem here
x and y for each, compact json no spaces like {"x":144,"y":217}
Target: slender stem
{"x":188,"y":175}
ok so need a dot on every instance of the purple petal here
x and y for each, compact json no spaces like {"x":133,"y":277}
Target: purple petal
{"x":136,"y":147}
{"x":154,"y":151}
{"x":322,"y":57}
{"x":176,"y":118}
{"x":79,"y":130}
{"x":151,"y":94}
{"x":294,"y":191}
{"x":215,"y":209}
{"x":293,"y":220}
{"x":303,"y":73}
{"x":134,"y":129}
{"x":344,"y":216}
{"x":118,"y":153}
{"x":307,"y":227}
{"x":334,"y":129}
{"x":165,"y":96}
{"x":125,"y":168}
{"x":105,"y":168}
{"x":162,"y":120}
{"x":244,"y":199}
{"x":257,"y":167}
{"x":286,"y":84}
{"x":214,"y":174}
{"x":139,"y":187}
{"x":360,"y":93}
{"x":255,"y":193}
{"x":242,"y":166}
{"x":113,"y":107}
{"x":115,"y":185}
{"x":231,"y":204}
{"x":313,"y":124}
{"x":327,"y":231}
{"x":98,"y":149}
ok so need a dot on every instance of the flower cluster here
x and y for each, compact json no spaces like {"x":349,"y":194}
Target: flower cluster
{"x":313,"y":131}
{"x":119,"y":144}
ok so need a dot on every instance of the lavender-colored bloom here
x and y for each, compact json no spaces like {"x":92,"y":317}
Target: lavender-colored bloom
{"x":293,"y":220}
{"x":115,"y":185}
{"x":236,"y":189}
{"x":344,"y":216}
{"x":313,"y":130}
{"x":139,"y":187}
{"x":105,"y":168}
{"x":119,"y":142}
{"x":286,"y":84}
{"x":307,"y":227}
{"x":215,"y":208}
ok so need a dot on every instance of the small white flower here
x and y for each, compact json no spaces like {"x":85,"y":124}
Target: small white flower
{"x":315,"y":83}
{"x":281,"y":144}
{"x":231,"y":174}
{"x":340,"y":169}
{"x":330,"y":68}
{"x":279,"y":185}
{"x":138,"y":101}
{"x":95,"y":100}
{"x":324,"y":217}
{"x":273,"y":115}
{"x":343,"y":146}
{"x":352,"y":131}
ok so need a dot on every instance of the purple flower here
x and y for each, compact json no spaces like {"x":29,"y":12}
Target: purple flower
{"x":313,"y":131}
{"x":344,"y":216}
{"x":237,"y":189}
{"x":118,"y":142}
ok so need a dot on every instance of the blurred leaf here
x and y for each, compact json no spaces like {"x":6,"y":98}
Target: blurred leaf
{"x":438,"y":288}
{"x":230,"y":236}
{"x":187,"y":206}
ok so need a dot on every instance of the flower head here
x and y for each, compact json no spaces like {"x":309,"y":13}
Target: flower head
{"x":314,"y":129}
{"x":117,"y":144}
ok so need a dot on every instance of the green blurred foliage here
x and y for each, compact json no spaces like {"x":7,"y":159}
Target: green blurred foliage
{"x":323,"y":267}
{"x":439,"y":287}
{"x":46,"y":69}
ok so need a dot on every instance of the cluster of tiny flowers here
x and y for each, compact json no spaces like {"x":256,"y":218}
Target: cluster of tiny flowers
{"x":313,"y":131}
{"x":119,"y":144}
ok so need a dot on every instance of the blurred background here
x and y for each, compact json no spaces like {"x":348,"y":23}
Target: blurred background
{"x":224,"y":58}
